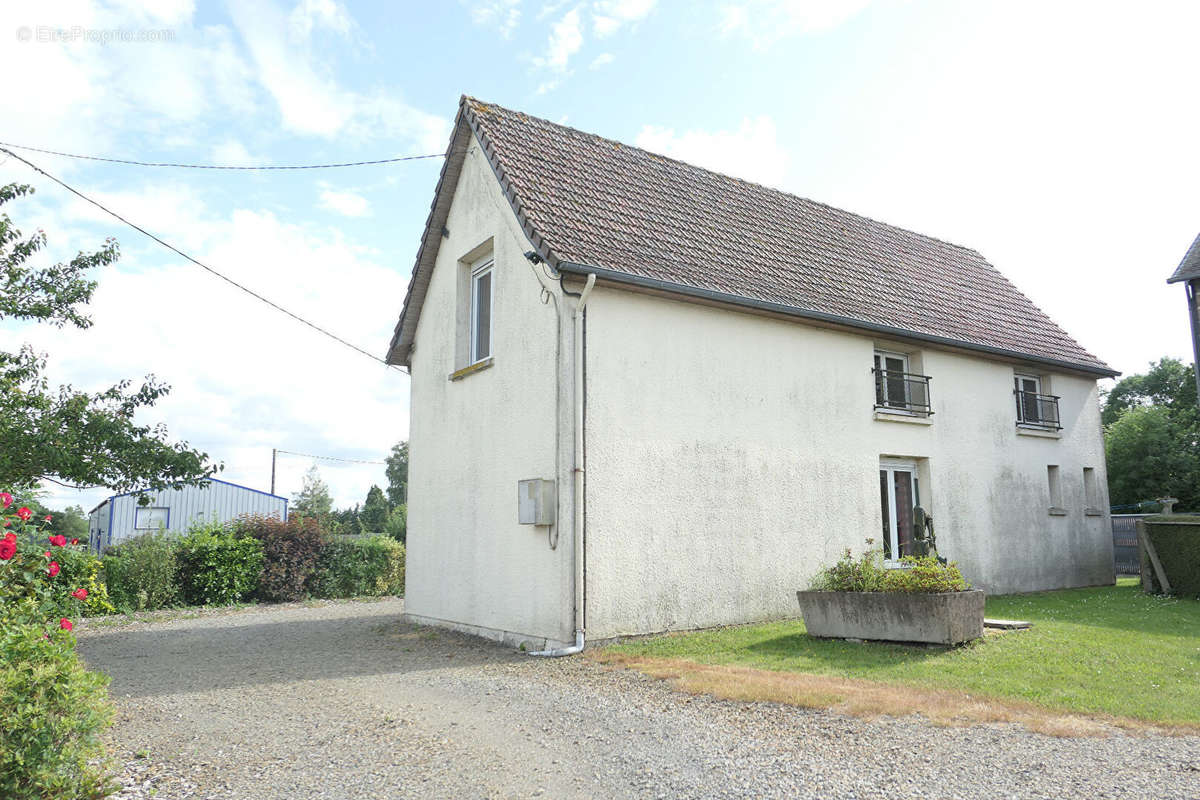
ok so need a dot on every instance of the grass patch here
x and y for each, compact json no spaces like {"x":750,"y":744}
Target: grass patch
{"x":1109,"y":651}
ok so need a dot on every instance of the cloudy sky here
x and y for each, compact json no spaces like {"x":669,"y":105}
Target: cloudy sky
{"x":1058,"y":138}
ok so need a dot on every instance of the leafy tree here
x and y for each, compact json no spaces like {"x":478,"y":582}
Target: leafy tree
{"x":1169,"y":383}
{"x":68,"y":436}
{"x":71,"y":523}
{"x":314,"y":499}
{"x":397,"y":474}
{"x":347,"y":520}
{"x":1152,"y":436}
{"x":375,"y":511}
{"x":397,"y":524}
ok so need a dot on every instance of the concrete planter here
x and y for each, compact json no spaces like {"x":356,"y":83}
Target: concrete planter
{"x":946,"y":618}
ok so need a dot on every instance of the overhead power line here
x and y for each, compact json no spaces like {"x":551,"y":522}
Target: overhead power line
{"x":331,"y":458}
{"x":199,"y":263}
{"x":221,"y":166}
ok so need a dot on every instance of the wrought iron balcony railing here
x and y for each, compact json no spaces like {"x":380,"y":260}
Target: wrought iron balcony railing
{"x":1037,"y":410}
{"x":902,"y":391}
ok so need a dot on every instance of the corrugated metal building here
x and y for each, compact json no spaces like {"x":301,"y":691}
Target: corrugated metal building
{"x":120,"y":517}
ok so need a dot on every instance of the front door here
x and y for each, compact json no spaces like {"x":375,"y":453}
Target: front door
{"x":899,"y":491}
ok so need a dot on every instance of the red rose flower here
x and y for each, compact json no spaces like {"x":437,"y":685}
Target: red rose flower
{"x":6,"y":499}
{"x":65,"y":624}
{"x":58,"y":541}
{"x":79,"y":594}
{"x":8,"y":549}
{"x":46,"y":554}
{"x":47,"y":518}
{"x":12,"y":537}
{"x":24,"y":513}
{"x":74,"y":541}
{"x":53,"y":569}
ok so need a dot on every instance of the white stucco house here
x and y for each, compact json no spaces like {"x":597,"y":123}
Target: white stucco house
{"x":715,"y":387}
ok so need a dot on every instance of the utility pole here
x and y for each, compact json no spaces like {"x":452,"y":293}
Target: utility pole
{"x":273,"y":451}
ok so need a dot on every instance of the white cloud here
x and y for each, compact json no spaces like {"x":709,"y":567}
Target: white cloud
{"x":608,"y":16}
{"x":601,"y":60}
{"x":765,"y":22}
{"x":151,"y":87}
{"x":348,"y":204}
{"x":311,"y":14}
{"x":752,"y":152}
{"x":244,"y":377}
{"x":234,"y":154}
{"x":502,"y":15}
{"x":309,"y":100}
{"x":566,"y":37}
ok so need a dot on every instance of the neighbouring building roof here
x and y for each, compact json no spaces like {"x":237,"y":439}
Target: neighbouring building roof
{"x":210,"y":479}
{"x":1190,"y":266}
{"x":590,"y":204}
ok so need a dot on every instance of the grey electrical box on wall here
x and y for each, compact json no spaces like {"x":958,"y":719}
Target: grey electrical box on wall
{"x":535,"y":501}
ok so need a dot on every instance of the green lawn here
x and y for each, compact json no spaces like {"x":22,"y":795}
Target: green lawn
{"x":1109,"y":650}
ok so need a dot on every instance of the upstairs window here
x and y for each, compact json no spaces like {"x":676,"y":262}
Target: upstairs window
{"x":1035,"y":409}
{"x":481,"y":311}
{"x":897,"y":389}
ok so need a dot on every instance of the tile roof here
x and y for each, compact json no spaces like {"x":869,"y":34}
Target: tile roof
{"x":586,"y":201}
{"x":1190,"y":266}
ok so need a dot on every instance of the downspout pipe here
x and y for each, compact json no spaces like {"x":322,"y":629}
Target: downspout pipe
{"x":578,"y":490}
{"x":1193,"y":297}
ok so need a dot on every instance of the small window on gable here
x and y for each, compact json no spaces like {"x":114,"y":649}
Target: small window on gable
{"x":481,"y":310}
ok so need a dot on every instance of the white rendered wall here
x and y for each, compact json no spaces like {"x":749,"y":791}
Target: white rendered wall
{"x":730,"y":456}
{"x":470,"y":563}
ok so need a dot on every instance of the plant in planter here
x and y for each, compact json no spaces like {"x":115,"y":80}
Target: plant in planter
{"x":916,"y":600}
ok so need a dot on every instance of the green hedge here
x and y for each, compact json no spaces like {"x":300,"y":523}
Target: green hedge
{"x":140,"y":572}
{"x":354,"y":566}
{"x":1176,"y":540}
{"x":218,"y":567}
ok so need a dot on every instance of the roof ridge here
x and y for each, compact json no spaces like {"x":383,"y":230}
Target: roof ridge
{"x":483,"y":105}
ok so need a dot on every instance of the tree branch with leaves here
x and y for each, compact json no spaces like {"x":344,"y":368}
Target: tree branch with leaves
{"x":64,"y":435}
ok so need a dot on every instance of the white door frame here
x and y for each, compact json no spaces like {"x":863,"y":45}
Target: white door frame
{"x":892,"y":466}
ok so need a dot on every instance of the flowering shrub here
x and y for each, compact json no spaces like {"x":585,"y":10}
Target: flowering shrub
{"x":218,"y":566}
{"x":353,"y":566}
{"x":52,"y":710}
{"x":848,"y":574}
{"x":291,"y":552}
{"x":141,"y":573}
{"x":34,"y":587}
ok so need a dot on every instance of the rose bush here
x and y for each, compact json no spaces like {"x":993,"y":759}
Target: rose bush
{"x":52,"y":710}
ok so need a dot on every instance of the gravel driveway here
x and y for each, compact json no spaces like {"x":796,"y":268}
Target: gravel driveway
{"x":343,"y":700}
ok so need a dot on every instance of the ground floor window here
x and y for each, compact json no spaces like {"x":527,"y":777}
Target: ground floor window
{"x":899,"y":492}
